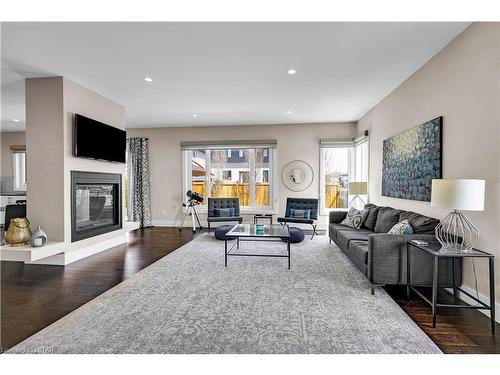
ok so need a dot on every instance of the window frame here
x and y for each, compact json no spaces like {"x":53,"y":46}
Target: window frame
{"x":352,"y":172}
{"x":272,"y":170}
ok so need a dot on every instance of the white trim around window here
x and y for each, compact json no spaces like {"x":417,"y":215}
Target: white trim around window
{"x":357,"y":170}
{"x":249,"y":165}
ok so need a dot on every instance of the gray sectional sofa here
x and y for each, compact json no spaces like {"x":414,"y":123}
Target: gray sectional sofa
{"x":381,"y":257}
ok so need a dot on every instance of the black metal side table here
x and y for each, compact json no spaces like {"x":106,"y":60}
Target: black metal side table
{"x":434,"y":251}
{"x":258,"y":217}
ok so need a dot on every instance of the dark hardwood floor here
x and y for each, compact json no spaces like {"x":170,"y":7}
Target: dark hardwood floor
{"x":34,"y":296}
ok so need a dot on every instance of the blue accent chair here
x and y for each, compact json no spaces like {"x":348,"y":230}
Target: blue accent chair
{"x":214,"y":203}
{"x":301,"y":204}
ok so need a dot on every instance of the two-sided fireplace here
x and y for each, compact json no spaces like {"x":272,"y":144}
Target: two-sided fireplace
{"x":95,"y":204}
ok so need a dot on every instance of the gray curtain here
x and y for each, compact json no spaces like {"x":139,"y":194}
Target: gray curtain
{"x":139,"y":199}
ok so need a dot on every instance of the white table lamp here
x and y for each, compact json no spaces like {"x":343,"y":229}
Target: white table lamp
{"x":456,"y":231}
{"x":357,"y":189}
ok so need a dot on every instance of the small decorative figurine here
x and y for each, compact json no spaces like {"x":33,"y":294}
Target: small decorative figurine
{"x":39,"y":238}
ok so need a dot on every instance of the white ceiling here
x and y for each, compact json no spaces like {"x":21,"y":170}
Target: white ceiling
{"x":227,"y":73}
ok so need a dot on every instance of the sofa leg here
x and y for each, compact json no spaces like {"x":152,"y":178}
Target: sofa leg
{"x":329,"y":240}
{"x":208,"y":227}
{"x":372,"y":287}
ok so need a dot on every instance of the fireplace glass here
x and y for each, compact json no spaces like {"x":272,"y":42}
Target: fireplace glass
{"x":94,"y":206}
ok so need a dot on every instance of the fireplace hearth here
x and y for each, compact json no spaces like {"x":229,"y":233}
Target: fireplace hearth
{"x":95,"y":204}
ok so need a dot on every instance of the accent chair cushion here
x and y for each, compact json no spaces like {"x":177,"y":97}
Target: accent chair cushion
{"x":295,"y":220}
{"x":214,"y":203}
{"x":403,"y":227}
{"x":355,"y":218}
{"x":387,"y":217}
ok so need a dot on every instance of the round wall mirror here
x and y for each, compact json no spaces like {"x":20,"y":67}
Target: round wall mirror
{"x":297,"y":175}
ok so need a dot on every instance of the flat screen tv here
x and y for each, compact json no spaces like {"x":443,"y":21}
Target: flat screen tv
{"x":94,"y":140}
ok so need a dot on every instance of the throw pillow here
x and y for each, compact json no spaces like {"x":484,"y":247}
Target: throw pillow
{"x":224,"y":212}
{"x":355,"y":218}
{"x":300,"y":214}
{"x":403,"y":227}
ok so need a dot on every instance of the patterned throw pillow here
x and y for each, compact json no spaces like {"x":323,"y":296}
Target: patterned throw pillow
{"x":355,"y":218}
{"x":225,"y":212}
{"x":403,"y":227}
{"x":300,"y":214}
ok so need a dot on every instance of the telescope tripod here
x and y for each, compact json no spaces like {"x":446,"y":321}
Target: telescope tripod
{"x":191,"y":211}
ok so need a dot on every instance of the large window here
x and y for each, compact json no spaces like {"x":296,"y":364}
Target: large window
{"x":232,"y":171}
{"x":19,"y":169}
{"x":341,"y":162}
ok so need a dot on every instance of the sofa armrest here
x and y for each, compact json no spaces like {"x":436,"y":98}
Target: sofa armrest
{"x":337,"y":216}
{"x":387,"y":256}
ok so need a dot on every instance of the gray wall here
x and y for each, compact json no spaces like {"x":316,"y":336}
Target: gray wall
{"x":460,"y":83}
{"x":294,"y":142}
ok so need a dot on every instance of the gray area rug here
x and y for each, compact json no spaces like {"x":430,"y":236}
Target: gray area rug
{"x":187,"y":302}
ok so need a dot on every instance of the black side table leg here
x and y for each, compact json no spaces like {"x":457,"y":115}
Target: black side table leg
{"x":288,"y":249}
{"x":225,"y":252}
{"x":408,"y":281}
{"x":492,"y":295}
{"x":435,"y":268}
{"x":455,"y":290}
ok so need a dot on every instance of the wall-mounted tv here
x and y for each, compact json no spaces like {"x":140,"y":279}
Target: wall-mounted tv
{"x":94,"y":140}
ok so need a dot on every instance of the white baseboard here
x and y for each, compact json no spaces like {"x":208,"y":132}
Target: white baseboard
{"x":72,"y":256}
{"x":89,"y":250}
{"x":465,"y":298}
{"x":170,"y":223}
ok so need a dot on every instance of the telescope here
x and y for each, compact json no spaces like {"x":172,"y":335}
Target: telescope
{"x":190,"y":209}
{"x":194,"y":197}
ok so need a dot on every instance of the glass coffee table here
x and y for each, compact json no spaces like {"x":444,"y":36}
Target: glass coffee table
{"x":248,"y":232}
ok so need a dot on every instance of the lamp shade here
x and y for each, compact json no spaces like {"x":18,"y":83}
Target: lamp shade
{"x":358,"y":188}
{"x":458,"y":194}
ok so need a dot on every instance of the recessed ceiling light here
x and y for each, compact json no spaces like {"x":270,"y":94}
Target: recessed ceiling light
{"x":288,"y":112}
{"x":292,"y":71}
{"x":148,"y":79}
{"x":195,"y":115}
{"x":15,"y":119}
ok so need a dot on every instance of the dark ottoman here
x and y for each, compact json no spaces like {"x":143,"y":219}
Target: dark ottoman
{"x":221,"y":230}
{"x":296,"y":235}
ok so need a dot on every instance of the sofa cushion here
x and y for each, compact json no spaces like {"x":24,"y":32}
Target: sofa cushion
{"x":421,"y":224}
{"x":371,"y":217}
{"x":334,"y":228}
{"x":345,"y":236}
{"x":386,"y":218}
{"x":359,"y":249}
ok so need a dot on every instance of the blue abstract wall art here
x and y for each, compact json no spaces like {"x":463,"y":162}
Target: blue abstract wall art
{"x":411,"y":160}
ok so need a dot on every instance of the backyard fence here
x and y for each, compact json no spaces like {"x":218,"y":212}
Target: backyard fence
{"x":242,"y":191}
